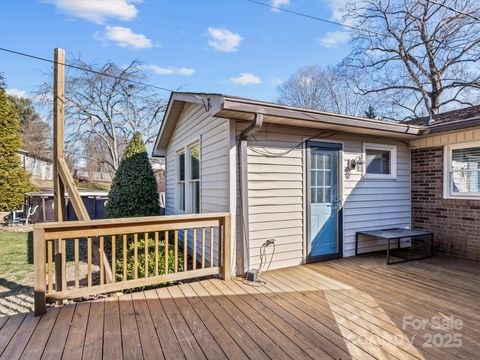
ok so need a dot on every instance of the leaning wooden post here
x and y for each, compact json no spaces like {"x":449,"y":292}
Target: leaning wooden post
{"x":39,"y":261}
{"x":58,"y":150}
{"x":227,"y":257}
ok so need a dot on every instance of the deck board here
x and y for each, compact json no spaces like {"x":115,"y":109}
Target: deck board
{"x":351,"y":308}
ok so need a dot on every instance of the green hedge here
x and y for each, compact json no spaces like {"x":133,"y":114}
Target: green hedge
{"x":141,"y":258}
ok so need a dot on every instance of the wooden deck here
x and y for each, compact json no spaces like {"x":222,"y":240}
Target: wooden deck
{"x":343,"y":309}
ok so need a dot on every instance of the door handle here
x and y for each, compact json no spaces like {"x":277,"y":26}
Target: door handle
{"x":337,"y":204}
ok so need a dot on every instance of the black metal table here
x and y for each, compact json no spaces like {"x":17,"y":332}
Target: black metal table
{"x":396,"y":234}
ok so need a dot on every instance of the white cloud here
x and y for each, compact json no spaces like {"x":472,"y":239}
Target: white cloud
{"x":124,"y":37}
{"x":16,"y":92}
{"x":246,"y":79}
{"x":169,"y":70}
{"x":334,"y":38}
{"x":224,"y":40}
{"x":338,"y":8}
{"x":99,"y":10}
{"x":279,"y":3}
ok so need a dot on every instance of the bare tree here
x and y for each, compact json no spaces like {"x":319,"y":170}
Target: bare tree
{"x":327,"y":89}
{"x":105,"y":105}
{"x":36,"y":133}
{"x":419,"y":54}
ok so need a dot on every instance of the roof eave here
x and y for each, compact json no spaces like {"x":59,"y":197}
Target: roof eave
{"x":318,"y":116}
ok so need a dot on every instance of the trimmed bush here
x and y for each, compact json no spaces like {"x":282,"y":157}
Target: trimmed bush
{"x":151,"y":259}
{"x":134,"y":190}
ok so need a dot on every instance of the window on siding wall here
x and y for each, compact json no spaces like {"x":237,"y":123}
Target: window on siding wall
{"x":462,"y":175}
{"x":194,"y":179}
{"x":380,"y":161}
{"x":181,"y":180}
{"x":188,"y":191}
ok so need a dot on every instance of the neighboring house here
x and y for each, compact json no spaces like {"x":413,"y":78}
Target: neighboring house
{"x":300,"y":183}
{"x":40,"y":168}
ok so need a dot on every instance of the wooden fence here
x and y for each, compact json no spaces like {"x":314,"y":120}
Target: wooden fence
{"x":142,"y":252}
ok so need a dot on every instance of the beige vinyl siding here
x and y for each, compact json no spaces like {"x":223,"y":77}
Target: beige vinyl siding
{"x":195,"y":124}
{"x":454,"y":137}
{"x":275,"y":199}
{"x":277,"y":187}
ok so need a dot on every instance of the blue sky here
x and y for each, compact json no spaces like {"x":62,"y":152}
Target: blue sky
{"x":228,"y":46}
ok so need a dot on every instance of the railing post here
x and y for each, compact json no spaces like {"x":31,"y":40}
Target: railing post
{"x":227,"y":257}
{"x":39,"y":261}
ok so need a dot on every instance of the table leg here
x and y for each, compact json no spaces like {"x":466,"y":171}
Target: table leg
{"x":356,"y":244}
{"x":388,"y":251}
{"x":431,"y":244}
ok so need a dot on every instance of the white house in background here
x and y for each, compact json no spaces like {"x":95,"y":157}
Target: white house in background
{"x":40,"y":168}
{"x":300,"y":183}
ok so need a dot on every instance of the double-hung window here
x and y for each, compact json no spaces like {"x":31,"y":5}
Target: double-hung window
{"x":188,"y":179}
{"x":380,"y":161}
{"x":462,"y":171}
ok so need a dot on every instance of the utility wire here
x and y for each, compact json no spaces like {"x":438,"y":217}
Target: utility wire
{"x":316,"y":18}
{"x":454,"y":10}
{"x":82,"y":69}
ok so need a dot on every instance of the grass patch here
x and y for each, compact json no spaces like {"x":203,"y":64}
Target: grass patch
{"x":16,"y":263}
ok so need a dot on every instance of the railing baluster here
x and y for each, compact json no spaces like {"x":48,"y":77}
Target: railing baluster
{"x":166,"y":252}
{"x":146,"y":254}
{"x":63,"y":244}
{"x":102,"y":247}
{"x":211,"y":246}
{"x":203,"y":247}
{"x":156,"y":253}
{"x":175,"y":251}
{"x":194,"y":255}
{"x":185,"y":249}
{"x":114,"y":257}
{"x":49,"y":261}
{"x":135,"y":255}
{"x":89,"y":261}
{"x":125,"y":257}
{"x":77,"y":263}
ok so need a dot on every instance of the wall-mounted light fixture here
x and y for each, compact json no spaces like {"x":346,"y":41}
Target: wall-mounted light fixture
{"x":356,"y":164}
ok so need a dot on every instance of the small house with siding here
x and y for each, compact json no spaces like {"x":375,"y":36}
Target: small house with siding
{"x":301,"y":183}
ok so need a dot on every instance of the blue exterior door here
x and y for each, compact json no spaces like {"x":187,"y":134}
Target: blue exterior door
{"x":324,"y":210}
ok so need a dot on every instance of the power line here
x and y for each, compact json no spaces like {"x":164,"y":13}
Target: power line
{"x":454,"y":10}
{"x":351,"y":27}
{"x":83,"y":69}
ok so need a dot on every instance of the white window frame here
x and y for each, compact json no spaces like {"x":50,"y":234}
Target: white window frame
{"x":447,"y":165}
{"x":393,"y":161}
{"x":185,"y":149}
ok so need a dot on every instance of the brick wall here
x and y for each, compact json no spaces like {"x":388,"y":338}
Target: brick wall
{"x":455,"y":223}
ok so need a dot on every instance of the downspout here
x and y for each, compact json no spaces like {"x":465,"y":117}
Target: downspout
{"x":243,"y":179}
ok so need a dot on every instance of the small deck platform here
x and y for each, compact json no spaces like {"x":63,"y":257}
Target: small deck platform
{"x":353,"y":308}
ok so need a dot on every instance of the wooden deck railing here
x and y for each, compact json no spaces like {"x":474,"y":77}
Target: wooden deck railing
{"x":142,"y":252}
